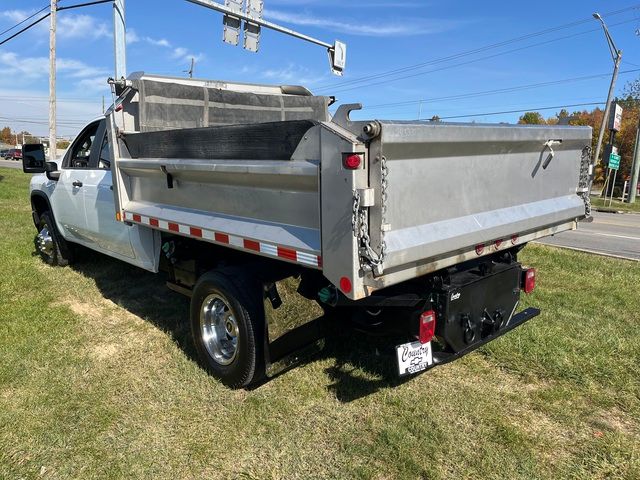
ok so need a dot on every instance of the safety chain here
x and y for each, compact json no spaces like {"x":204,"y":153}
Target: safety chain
{"x":360,"y":224}
{"x":584,"y":182}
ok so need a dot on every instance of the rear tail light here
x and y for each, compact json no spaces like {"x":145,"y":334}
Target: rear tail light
{"x":529,"y":280}
{"x":427,"y":326}
{"x":352,"y":161}
{"x":345,"y":285}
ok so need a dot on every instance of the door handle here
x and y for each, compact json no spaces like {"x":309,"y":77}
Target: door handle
{"x":77,"y":183}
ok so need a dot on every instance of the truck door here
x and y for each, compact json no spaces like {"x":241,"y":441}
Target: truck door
{"x":67,"y":198}
{"x":99,"y":207}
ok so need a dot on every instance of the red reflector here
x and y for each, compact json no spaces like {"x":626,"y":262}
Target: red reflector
{"x":514,"y":239}
{"x":498,"y":243}
{"x":352,"y":162}
{"x":480,"y":249}
{"x":529,"y":280}
{"x":119,"y":108}
{"x":427,"y":326}
{"x":345,"y":285}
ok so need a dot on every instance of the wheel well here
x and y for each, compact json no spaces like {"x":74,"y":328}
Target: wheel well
{"x":39,"y":205}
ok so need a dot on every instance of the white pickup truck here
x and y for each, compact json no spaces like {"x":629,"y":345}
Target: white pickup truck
{"x":248,"y":194}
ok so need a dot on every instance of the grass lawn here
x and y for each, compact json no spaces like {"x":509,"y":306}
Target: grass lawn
{"x":97,"y":380}
{"x":616,"y":205}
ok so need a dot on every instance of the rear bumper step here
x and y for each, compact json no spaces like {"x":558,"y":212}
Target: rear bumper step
{"x":440,"y":358}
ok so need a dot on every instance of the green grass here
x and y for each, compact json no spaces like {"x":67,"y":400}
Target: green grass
{"x":616,"y":205}
{"x":97,"y":380}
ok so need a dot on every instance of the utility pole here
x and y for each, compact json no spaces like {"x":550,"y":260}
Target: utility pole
{"x":635,"y":169}
{"x":617,"y":58}
{"x":119,"y":39}
{"x":52,"y":83}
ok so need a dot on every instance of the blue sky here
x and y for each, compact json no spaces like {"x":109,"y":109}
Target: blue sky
{"x":382,"y":36}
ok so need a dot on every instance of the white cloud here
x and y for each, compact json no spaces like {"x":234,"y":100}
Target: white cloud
{"x":292,"y":74}
{"x":161,"y":42}
{"x":33,"y":68}
{"x":341,"y":4}
{"x":94,"y":84}
{"x":386,"y":29}
{"x":82,"y":26}
{"x":17,"y":16}
{"x":132,"y":36}
{"x":70,"y":25}
{"x":177,"y":53}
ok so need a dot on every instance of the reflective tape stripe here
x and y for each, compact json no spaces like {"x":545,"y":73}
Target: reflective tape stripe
{"x":268,"y":249}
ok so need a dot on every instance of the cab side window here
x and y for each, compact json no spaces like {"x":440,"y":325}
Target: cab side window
{"x":80,"y":152}
{"x":105,"y":155}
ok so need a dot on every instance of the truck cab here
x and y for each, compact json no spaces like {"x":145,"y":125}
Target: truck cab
{"x":78,"y":191}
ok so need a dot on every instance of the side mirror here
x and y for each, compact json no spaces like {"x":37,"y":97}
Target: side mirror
{"x":33,"y":159}
{"x":51,"y":169}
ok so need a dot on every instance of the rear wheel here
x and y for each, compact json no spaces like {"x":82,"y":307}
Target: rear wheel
{"x":227,"y":324}
{"x":53,"y":249}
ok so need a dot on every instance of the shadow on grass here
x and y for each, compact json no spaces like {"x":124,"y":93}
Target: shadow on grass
{"x":1,"y":178}
{"x":142,"y":293}
{"x":362,"y":365}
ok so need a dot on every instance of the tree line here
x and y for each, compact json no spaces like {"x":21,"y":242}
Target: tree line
{"x":625,"y":138}
{"x":11,"y":137}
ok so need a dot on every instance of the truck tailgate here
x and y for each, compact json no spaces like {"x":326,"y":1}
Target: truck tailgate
{"x":451,"y":187}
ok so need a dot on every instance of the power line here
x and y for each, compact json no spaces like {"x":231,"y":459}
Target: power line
{"x":475,"y":60}
{"x":496,"y":91}
{"x":24,"y":20}
{"x":87,"y":4}
{"x":536,"y":109}
{"x":46,"y":99}
{"x":33,"y":24}
{"x":470,"y":52}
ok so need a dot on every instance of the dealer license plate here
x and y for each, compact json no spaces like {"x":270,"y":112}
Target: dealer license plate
{"x":413,"y":357}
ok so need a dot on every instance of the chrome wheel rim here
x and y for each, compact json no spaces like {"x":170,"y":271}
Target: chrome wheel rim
{"x":219,"y":329}
{"x":45,"y":242}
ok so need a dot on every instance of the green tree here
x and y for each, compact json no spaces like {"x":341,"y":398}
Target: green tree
{"x":532,"y":118}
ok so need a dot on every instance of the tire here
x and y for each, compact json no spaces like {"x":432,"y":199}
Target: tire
{"x":53,"y":249}
{"x":227,"y":325}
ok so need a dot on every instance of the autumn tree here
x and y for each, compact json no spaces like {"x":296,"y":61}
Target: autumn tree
{"x":6,"y":136}
{"x":532,"y":118}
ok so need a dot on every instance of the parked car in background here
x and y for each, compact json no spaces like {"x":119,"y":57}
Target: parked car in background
{"x":14,"y":154}
{"x":4,"y":153}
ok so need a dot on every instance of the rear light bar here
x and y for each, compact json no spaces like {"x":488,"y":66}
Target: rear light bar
{"x":427,"y":326}
{"x":528,"y":280}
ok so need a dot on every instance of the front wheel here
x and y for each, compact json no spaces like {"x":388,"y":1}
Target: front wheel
{"x":53,"y":249}
{"x":227,"y":325}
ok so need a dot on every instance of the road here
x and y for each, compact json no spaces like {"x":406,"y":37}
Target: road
{"x":609,"y":234}
{"x":10,"y":164}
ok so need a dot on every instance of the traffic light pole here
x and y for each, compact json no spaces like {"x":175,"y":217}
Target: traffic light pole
{"x":119,"y":39}
{"x":337,"y":51}
{"x":53,"y":153}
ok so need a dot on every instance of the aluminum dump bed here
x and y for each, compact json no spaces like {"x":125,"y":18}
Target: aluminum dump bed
{"x":424,"y":196}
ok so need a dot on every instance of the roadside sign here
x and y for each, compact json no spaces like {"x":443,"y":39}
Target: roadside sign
{"x":615,"y":120}
{"x":614,"y":161}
